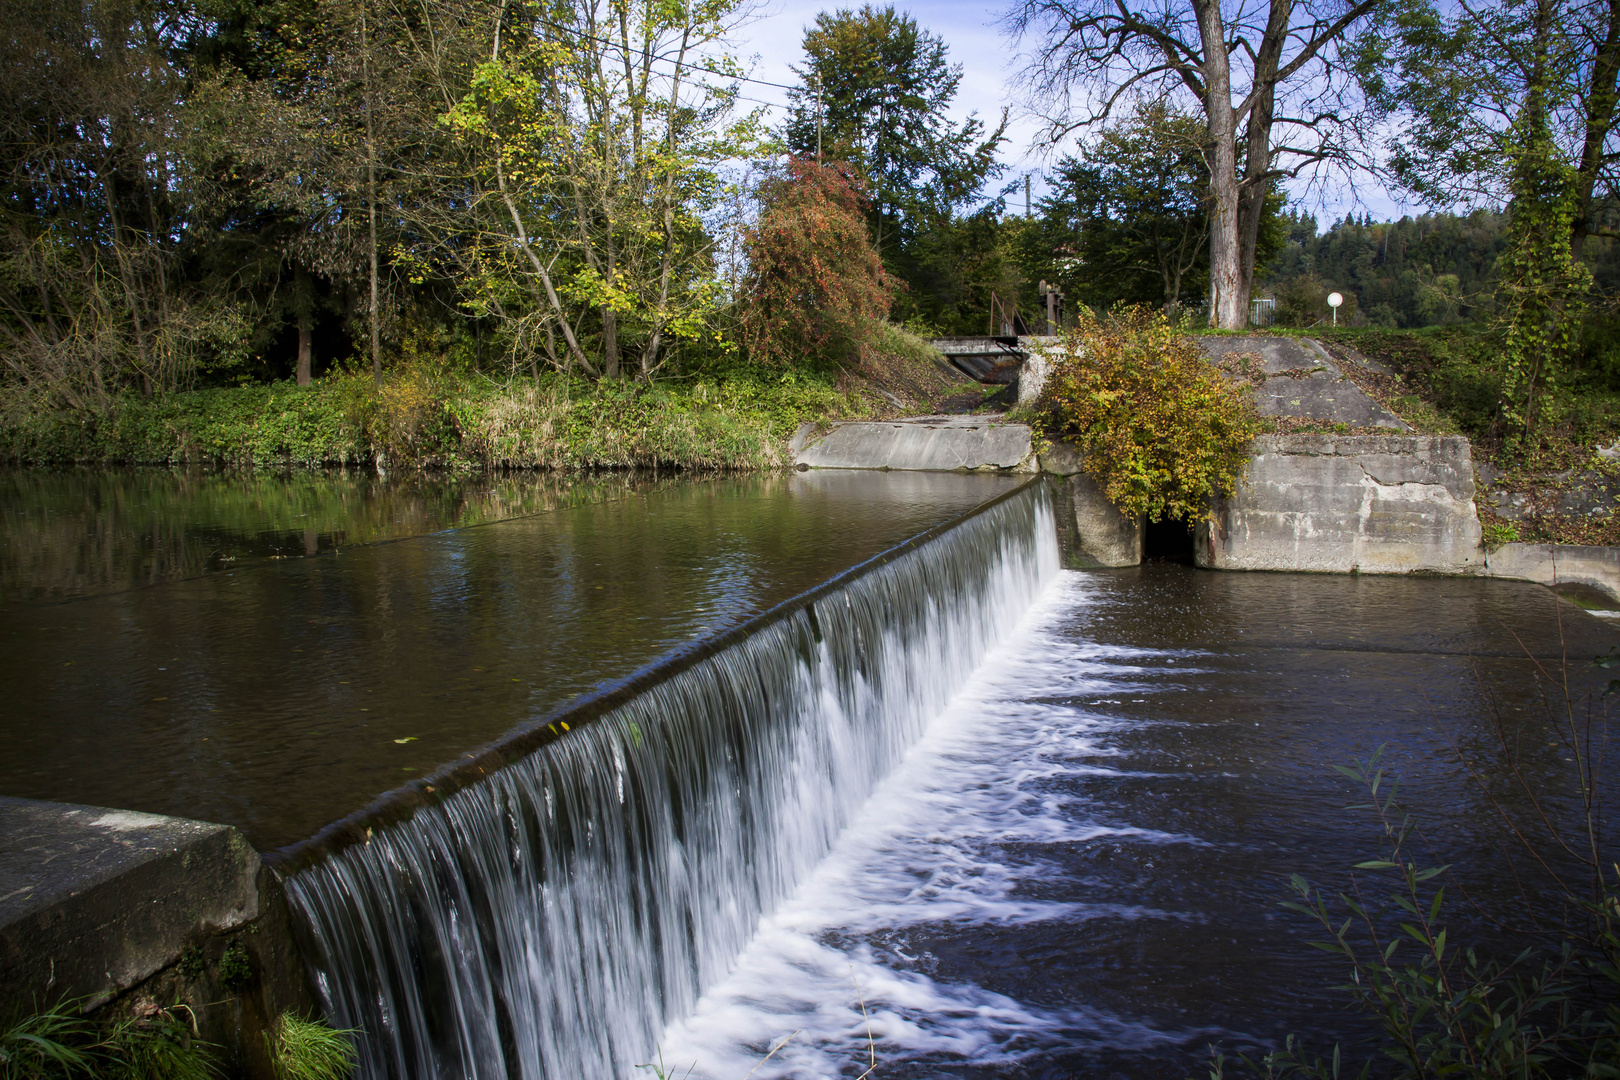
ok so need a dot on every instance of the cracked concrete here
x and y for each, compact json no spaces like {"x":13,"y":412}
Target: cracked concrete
{"x":1371,"y":504}
{"x":1302,"y":380}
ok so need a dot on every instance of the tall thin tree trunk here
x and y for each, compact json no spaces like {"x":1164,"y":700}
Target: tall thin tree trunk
{"x":610,"y":343}
{"x":305,"y":352}
{"x":1257,"y":143}
{"x":1227,"y":293}
{"x":371,"y":197}
{"x":1601,"y":101}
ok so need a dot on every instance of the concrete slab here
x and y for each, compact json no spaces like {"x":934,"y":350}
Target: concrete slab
{"x":1558,"y":565}
{"x":1302,"y":380}
{"x":93,"y":901}
{"x":923,"y":443}
{"x":1349,"y":503}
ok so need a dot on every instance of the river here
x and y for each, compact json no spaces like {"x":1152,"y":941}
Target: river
{"x":964,"y":812}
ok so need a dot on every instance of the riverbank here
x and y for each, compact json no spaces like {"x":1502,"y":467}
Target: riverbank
{"x":417,"y":420}
{"x":737,"y":418}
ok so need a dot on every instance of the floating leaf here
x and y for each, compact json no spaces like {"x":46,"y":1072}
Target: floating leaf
{"x":406,"y":739}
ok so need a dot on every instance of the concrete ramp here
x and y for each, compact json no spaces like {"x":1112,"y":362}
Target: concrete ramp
{"x":1302,"y":380}
{"x":926,"y":443}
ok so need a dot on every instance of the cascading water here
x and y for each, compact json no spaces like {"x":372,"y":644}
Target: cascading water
{"x":551,"y":919}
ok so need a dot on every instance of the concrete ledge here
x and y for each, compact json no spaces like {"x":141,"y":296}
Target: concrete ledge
{"x":1558,"y":564}
{"x":1091,"y":531}
{"x":926,"y":443}
{"x":93,"y":901}
{"x":1372,"y":504}
{"x":135,"y":912}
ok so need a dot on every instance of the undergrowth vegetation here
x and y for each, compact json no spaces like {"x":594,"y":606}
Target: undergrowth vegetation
{"x":1459,"y":372}
{"x":61,"y":1044}
{"x":1160,"y":428}
{"x":738,"y":418}
{"x":309,"y":1050}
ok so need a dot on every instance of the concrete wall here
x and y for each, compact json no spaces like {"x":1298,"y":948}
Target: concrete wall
{"x":926,"y":443}
{"x":1349,"y":503}
{"x":1595,"y":568}
{"x":133,"y":912}
{"x":1091,"y":532}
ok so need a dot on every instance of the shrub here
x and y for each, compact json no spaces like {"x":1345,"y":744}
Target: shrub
{"x":816,"y":288}
{"x":1161,"y":430}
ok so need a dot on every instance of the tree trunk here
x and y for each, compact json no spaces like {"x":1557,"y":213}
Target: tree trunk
{"x":371,"y":199}
{"x":1600,"y":108}
{"x":1228,"y":308}
{"x":304,"y":350}
{"x":1257,"y":149}
{"x":610,"y":344}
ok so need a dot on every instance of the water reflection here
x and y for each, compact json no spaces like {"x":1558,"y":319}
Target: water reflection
{"x":282,"y":696}
{"x":75,"y":533}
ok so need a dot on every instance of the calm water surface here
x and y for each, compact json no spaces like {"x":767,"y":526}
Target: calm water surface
{"x":166,"y":645}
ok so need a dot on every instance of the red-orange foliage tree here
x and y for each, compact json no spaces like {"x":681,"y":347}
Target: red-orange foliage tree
{"x":815,"y":288}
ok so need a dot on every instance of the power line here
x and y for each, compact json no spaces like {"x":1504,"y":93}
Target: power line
{"x":669,"y":60}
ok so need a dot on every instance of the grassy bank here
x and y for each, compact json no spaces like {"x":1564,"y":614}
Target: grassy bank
{"x":419,"y":418}
{"x":427,"y":416}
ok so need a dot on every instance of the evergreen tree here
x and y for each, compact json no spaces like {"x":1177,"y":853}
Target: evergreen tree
{"x":876,"y":90}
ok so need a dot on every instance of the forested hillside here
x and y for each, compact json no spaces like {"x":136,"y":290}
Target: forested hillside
{"x":450,"y":210}
{"x":1430,"y":270}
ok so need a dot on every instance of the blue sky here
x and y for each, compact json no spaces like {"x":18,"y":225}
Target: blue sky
{"x":769,"y":43}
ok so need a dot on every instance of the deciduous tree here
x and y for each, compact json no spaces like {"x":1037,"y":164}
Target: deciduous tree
{"x":1267,"y":78}
{"x":596,"y":131}
{"x":815,"y":286}
{"x":1457,"y":78}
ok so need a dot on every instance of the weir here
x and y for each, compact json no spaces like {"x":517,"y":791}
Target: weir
{"x":545,"y":908}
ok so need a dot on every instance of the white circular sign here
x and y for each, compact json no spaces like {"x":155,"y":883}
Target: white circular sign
{"x":1334,"y":299}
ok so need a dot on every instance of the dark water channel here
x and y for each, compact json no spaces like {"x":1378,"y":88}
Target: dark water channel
{"x":166,"y":645}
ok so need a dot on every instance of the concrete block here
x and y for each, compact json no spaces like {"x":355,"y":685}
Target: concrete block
{"x":1061,"y":459}
{"x":927,"y":443}
{"x":1103,"y":535}
{"x":93,"y":901}
{"x":1343,"y":503}
{"x":1032,"y":376}
{"x":1302,"y":380}
{"x":1091,"y":532}
{"x":1558,"y":565}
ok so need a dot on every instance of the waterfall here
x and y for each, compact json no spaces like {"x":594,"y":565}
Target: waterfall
{"x":549,"y":918}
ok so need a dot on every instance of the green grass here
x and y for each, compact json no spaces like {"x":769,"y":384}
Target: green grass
{"x":736,"y":418}
{"x":310,"y":1050}
{"x":59,"y":1043}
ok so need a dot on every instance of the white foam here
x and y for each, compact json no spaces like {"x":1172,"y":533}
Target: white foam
{"x":951,"y":837}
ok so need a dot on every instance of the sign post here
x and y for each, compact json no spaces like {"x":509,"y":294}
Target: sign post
{"x":1334,"y":300}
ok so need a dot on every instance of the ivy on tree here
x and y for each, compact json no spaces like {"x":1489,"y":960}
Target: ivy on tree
{"x":815,"y":288}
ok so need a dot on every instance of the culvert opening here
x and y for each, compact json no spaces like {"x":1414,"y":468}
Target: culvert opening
{"x":1170,"y":540}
